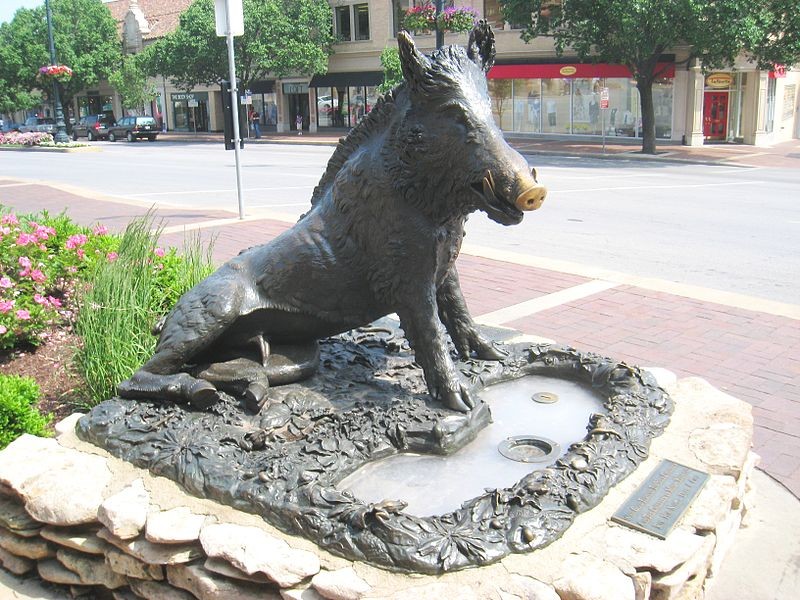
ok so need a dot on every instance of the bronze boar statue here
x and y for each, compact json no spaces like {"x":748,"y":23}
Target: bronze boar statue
{"x":382,"y":236}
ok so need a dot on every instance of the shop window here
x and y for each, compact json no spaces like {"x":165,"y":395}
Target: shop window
{"x":501,"y":94}
{"x":556,"y":106}
{"x":586,"y":106}
{"x":352,"y":22}
{"x":527,"y":105}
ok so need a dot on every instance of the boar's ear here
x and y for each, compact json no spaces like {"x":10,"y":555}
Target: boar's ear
{"x":480,"y":47}
{"x":412,"y":61}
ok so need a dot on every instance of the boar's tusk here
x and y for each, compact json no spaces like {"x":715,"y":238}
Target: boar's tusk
{"x":488,"y":187}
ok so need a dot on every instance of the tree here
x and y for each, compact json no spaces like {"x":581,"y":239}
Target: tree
{"x":86,"y":40}
{"x":635,"y":33}
{"x":281,"y":37}
{"x":14,"y":94}
{"x":392,"y":73}
{"x":131,"y":81}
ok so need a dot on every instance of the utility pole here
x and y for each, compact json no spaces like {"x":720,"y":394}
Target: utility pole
{"x":61,"y":129}
{"x":439,"y":32}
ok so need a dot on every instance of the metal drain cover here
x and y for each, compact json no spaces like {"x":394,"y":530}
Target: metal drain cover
{"x":529,"y":449}
{"x":545,"y":397}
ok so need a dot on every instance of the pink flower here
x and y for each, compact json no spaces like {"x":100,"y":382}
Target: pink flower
{"x":54,"y":301}
{"x":9,"y":219}
{"x":5,"y":230}
{"x":74,"y":241}
{"x":72,"y":269}
{"x":159,"y":252}
{"x":39,"y":299}
{"x":37,"y":275}
{"x":26,"y":238}
{"x":3,"y":329}
{"x":23,"y":315}
{"x":6,"y":305}
{"x":80,"y":253}
{"x":24,"y":262}
{"x":5,"y":282}
{"x":42,"y":232}
{"x":100,"y":229}
{"x":112,"y":256}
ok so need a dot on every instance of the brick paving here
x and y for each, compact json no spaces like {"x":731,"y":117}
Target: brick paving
{"x":754,"y":356}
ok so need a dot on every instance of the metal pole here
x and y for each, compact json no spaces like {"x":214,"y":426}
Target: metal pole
{"x":61,"y":129}
{"x":439,"y":32}
{"x":603,"y":125}
{"x":235,"y":107}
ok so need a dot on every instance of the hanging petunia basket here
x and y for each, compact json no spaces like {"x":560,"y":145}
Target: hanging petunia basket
{"x":423,"y":19}
{"x":420,"y":19}
{"x":57,"y":72}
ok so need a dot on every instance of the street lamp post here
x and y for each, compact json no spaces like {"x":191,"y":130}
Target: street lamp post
{"x":61,"y":130}
{"x":439,"y":31}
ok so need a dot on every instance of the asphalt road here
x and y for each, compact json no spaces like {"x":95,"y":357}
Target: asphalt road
{"x":734,"y":229}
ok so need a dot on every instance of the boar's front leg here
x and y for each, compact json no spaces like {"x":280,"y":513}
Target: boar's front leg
{"x":427,"y":338}
{"x":456,"y":318}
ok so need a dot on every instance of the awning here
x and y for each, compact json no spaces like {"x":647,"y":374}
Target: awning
{"x":571,"y":70}
{"x":347,"y":78}
{"x":263,"y":87}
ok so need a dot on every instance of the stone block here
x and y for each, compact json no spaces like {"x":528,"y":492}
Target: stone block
{"x":154,"y":590}
{"x":16,"y":519}
{"x":253,"y":550}
{"x":176,"y":526}
{"x":18,"y":565}
{"x":208,"y":586}
{"x":223,"y":567}
{"x":33,"y":548}
{"x":712,"y":504}
{"x":125,"y":513}
{"x":154,"y":554}
{"x":125,"y":564}
{"x":528,"y":588}
{"x":671,"y":585}
{"x":342,"y":584}
{"x":78,"y":538}
{"x":53,"y":571}
{"x":301,"y":593}
{"x":92,"y":570}
{"x":587,"y":577}
{"x":59,"y":486}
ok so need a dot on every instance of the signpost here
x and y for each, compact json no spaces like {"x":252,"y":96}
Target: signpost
{"x":229,"y":17}
{"x":603,"y":108}
{"x":193,"y":104}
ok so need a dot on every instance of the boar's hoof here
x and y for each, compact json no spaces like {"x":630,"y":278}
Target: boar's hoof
{"x":460,"y":400}
{"x":255,"y":396}
{"x":203,"y":394}
{"x":487,"y":351}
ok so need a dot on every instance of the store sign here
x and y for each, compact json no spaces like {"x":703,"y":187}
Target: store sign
{"x":719,"y":81}
{"x":189,"y":97}
{"x":568,"y":70}
{"x":295,"y":88}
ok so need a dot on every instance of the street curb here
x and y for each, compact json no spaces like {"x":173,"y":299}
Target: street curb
{"x":49,"y":149}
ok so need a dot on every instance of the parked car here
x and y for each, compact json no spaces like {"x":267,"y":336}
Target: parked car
{"x":134,"y":128}
{"x":44,"y":124}
{"x":93,"y":127}
{"x":8,"y":127}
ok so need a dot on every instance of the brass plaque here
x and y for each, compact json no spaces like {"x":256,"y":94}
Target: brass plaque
{"x":663,"y":497}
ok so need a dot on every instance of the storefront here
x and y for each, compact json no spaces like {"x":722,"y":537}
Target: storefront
{"x":265,"y":103}
{"x":190,"y":111}
{"x":565,"y":99}
{"x":94,"y":103}
{"x":342,"y":99}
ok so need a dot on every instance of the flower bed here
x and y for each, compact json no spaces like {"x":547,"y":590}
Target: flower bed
{"x":31,"y":138}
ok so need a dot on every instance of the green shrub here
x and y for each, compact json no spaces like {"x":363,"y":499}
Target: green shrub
{"x":18,"y":414}
{"x":128,"y":296}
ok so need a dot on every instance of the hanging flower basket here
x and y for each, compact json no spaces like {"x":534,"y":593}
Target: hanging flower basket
{"x":457,"y":19}
{"x":423,"y":18}
{"x":420,"y":19}
{"x":57,"y":72}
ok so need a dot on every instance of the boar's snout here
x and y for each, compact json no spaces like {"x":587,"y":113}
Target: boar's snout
{"x":532,"y":194}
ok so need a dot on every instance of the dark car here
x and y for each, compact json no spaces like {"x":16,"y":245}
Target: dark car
{"x":134,"y":128}
{"x":8,"y":127}
{"x":43,"y":124}
{"x":93,"y":127}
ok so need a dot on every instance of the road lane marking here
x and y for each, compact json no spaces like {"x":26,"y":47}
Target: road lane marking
{"x":655,"y":187}
{"x":535,"y":305}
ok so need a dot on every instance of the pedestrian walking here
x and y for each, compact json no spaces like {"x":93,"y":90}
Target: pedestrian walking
{"x":298,"y":123}
{"x":257,"y":124}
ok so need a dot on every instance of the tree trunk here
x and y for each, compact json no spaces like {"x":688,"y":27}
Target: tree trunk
{"x":645,"y":87}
